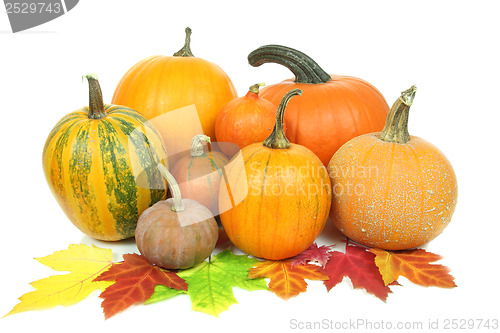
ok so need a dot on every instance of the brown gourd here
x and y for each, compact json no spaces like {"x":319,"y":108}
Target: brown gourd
{"x":176,"y":233}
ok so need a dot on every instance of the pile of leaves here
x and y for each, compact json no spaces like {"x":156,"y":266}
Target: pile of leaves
{"x":210,"y":284}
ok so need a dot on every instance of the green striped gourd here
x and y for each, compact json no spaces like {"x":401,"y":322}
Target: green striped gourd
{"x":100,"y":163}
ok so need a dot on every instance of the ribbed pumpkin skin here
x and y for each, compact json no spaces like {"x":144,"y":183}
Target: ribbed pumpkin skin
{"x":243,"y":121}
{"x":390,"y":195}
{"x":160,"y":84}
{"x":199,"y":178}
{"x":329,"y":114}
{"x":287,"y":204}
{"x":91,"y":169}
{"x":176,"y":240}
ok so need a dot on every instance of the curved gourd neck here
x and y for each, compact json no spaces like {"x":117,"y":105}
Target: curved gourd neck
{"x":178,"y":206}
{"x":305,"y":69}
{"x":396,"y":125}
{"x":96,"y":104}
{"x":278,"y":139}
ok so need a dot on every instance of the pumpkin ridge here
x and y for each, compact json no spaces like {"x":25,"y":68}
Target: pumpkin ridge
{"x":119,"y":178}
{"x":420,"y":172}
{"x":80,"y":164}
{"x":365,"y":158}
{"x":262,"y":191}
{"x":387,"y":185}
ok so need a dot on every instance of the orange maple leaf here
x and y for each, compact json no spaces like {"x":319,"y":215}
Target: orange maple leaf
{"x":415,"y":265}
{"x":136,"y":280}
{"x":285,"y":281}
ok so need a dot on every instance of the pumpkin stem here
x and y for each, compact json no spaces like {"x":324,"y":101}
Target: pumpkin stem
{"x":186,"y":49}
{"x":277,"y":139}
{"x":302,"y":66}
{"x":96,"y":104}
{"x":197,"y":145}
{"x":256,"y":88}
{"x":174,"y":188}
{"x":396,"y":125}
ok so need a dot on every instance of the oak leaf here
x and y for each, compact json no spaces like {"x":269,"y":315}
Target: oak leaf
{"x":136,"y":279}
{"x":415,"y":265}
{"x":313,"y":254}
{"x":84,"y":264}
{"x":358,"y":264}
{"x":285,"y":281}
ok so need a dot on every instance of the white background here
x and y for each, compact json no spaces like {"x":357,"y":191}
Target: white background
{"x":449,"y":49}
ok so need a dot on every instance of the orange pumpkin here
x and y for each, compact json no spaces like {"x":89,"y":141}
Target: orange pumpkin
{"x":245,"y":120}
{"x":199,"y":174}
{"x":160,"y":84}
{"x":392,"y":190}
{"x":288,"y":196}
{"x":333,"y":108}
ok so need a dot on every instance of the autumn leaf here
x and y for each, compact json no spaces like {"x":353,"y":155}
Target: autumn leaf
{"x":314,"y":254}
{"x":84,"y":264}
{"x":358,"y":264}
{"x":136,"y":279}
{"x":210,"y":284}
{"x":415,"y":265}
{"x":285,"y":281}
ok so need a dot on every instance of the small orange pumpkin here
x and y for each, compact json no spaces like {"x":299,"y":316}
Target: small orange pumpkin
{"x":333,"y":108}
{"x":288,"y":195}
{"x":176,"y":233}
{"x":392,"y":190}
{"x":160,"y":84}
{"x":199,"y":174}
{"x":245,"y":120}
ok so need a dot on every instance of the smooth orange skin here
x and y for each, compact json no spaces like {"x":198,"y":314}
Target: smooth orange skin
{"x":277,"y":219}
{"x":389,"y":195}
{"x":327,"y":115}
{"x":199,"y":178}
{"x":160,"y":84}
{"x":243,"y":121}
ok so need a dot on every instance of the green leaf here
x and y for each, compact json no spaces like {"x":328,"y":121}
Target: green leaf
{"x":162,"y":293}
{"x":210,"y":284}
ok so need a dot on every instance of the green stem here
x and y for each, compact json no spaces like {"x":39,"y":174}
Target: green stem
{"x":302,"y":66}
{"x":277,"y":139}
{"x":256,"y":88}
{"x":197,"y":145}
{"x":396,"y":125}
{"x":96,"y":104}
{"x":174,"y":188}
{"x":186,"y":49}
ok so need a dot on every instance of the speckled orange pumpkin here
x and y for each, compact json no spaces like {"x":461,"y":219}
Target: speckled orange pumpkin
{"x":392,"y":190}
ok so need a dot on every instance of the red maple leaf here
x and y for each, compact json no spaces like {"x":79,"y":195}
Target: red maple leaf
{"x":136,"y":279}
{"x":315,"y":254}
{"x":358,"y":263}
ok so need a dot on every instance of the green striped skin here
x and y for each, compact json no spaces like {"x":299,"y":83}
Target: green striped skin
{"x":103,"y":171}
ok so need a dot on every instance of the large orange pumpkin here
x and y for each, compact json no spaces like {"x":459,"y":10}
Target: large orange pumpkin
{"x":392,"y":190}
{"x":333,"y":108}
{"x":288,"y":196}
{"x":245,"y":120}
{"x":160,"y":84}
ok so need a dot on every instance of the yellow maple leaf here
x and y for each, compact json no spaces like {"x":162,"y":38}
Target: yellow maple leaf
{"x":84,"y":263}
